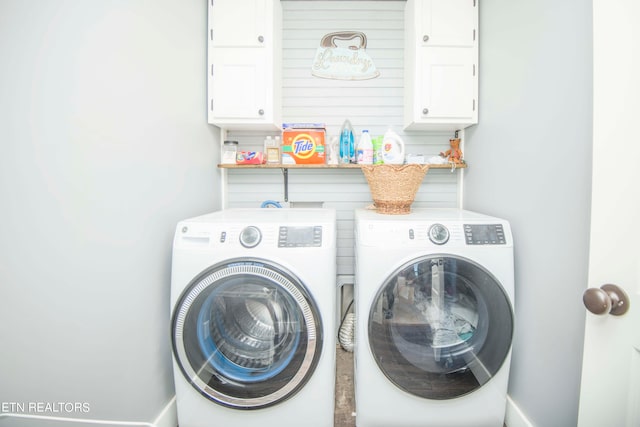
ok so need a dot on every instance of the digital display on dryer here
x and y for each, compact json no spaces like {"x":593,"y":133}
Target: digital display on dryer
{"x":484,"y":234}
{"x":296,"y":237}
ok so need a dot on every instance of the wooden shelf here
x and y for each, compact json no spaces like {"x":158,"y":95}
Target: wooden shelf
{"x":323,"y":166}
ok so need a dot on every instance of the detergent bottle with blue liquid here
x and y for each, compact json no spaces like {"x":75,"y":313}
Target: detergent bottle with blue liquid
{"x":347,"y":144}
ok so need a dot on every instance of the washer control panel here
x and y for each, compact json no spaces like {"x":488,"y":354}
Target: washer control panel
{"x":300,"y":237}
{"x":484,"y":234}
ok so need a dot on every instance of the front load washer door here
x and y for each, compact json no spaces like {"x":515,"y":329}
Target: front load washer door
{"x":440,"y":327}
{"x":246,"y":334}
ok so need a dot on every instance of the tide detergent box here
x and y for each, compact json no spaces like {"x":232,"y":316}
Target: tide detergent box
{"x":303,"y":145}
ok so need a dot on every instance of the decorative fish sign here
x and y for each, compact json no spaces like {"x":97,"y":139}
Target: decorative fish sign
{"x":343,"y":63}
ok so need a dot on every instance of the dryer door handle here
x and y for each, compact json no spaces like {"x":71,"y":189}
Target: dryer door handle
{"x":607,"y":299}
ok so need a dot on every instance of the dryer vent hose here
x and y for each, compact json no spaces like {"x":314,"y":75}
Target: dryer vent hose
{"x":347,"y":330}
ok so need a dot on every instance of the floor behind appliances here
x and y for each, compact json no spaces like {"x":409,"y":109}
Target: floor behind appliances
{"x":253,"y":318}
{"x":434,"y":297}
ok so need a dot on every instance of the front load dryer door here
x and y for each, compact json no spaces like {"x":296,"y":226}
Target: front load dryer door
{"x":246,"y":334}
{"x":440,"y":327}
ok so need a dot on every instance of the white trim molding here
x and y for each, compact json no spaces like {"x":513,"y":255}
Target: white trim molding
{"x":514,"y":416}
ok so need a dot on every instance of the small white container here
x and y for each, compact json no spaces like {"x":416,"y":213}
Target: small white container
{"x":272,"y":150}
{"x":229,"y":152}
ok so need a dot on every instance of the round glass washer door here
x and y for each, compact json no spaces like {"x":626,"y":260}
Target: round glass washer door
{"x":246,"y":334}
{"x":440,"y":327}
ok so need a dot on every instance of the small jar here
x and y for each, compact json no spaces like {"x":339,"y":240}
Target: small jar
{"x":229,"y":152}
{"x":272,"y":150}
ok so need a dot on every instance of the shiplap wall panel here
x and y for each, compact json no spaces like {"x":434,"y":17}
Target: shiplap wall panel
{"x":375,"y":104}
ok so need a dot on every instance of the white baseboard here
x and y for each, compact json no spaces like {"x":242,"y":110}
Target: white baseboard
{"x":166,"y":418}
{"x":514,"y":416}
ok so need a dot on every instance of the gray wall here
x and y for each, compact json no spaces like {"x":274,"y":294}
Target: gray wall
{"x":530,"y":162}
{"x":104,"y":146}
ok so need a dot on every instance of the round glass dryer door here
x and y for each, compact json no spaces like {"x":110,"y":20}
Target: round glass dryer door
{"x":440,"y":327}
{"x":246,"y":334}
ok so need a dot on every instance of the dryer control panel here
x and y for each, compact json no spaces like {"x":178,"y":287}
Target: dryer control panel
{"x":300,"y":237}
{"x":484,"y":234}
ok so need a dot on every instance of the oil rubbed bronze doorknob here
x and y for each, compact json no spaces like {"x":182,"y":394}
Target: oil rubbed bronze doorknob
{"x":607,"y":299}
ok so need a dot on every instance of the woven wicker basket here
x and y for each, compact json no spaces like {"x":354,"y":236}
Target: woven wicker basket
{"x":394,"y":187}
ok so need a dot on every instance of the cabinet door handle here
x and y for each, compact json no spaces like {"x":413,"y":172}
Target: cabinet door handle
{"x":425,"y":38}
{"x":260,"y":39}
{"x":261,"y":112}
{"x":425,"y":111}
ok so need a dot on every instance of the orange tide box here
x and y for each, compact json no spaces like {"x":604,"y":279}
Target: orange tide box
{"x":303,"y":146}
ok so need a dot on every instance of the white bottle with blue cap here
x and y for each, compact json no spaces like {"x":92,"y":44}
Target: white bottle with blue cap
{"x":365,"y":149}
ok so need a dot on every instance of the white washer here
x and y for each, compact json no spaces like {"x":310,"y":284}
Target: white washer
{"x":434,"y":301}
{"x":253,"y":300}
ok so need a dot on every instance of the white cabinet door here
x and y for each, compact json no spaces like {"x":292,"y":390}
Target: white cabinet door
{"x":447,"y":22}
{"x":244,"y":76}
{"x":441,"y":64}
{"x":240,"y":23}
{"x":446,"y":89}
{"x":238,"y":85}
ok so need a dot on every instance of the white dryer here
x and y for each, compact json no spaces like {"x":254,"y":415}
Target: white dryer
{"x":253,"y":301}
{"x":434,"y":301}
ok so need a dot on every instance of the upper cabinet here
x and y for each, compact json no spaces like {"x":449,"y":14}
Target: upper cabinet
{"x":441,"y":64}
{"x":244,"y":64}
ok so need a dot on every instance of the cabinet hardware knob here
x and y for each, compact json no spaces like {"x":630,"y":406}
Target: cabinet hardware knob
{"x":260,"y":39}
{"x":425,"y":38}
{"x":261,"y":112}
{"x":425,"y":111}
{"x":607,"y":299}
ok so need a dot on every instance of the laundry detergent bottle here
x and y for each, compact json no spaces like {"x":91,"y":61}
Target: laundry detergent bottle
{"x":347,"y":143}
{"x":365,"y":149}
{"x":392,"y":148}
